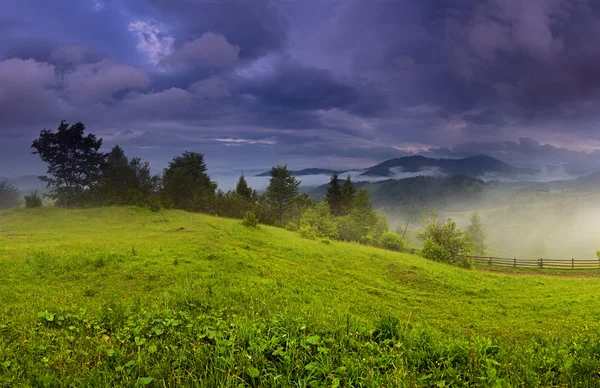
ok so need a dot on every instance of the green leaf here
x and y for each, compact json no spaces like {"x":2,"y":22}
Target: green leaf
{"x":253,"y":372}
{"x":6,"y":364}
{"x":143,"y":381}
{"x":312,"y":366}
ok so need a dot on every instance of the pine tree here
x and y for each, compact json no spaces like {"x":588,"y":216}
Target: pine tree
{"x":348,"y":195}
{"x":242,"y":189}
{"x":335,"y":197}
{"x":475,"y":229}
{"x":282,"y":191}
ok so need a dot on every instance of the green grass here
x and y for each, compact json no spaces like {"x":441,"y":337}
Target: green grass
{"x":118,"y":296}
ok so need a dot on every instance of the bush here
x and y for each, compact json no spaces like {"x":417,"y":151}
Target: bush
{"x":291,"y":226}
{"x":9,"y":195}
{"x":326,"y":240}
{"x":153,"y":204}
{"x":33,"y":200}
{"x":391,"y":241}
{"x":318,"y":222}
{"x":443,"y":241}
{"x":307,"y":232}
{"x":367,"y":239}
{"x":250,"y":220}
{"x":349,"y":229}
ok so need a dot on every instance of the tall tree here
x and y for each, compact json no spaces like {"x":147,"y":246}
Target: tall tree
{"x":475,"y":229}
{"x":364,"y":213}
{"x":9,"y":195}
{"x":242,"y":189}
{"x":334,"y":196}
{"x":74,"y":162}
{"x":126,"y":182}
{"x":282,"y":191}
{"x":187,"y":186}
{"x":348,"y":195}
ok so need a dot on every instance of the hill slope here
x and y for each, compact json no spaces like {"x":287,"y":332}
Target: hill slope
{"x":474,"y":166}
{"x":125,"y":298}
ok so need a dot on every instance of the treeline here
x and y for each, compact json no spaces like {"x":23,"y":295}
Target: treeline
{"x":80,"y":175}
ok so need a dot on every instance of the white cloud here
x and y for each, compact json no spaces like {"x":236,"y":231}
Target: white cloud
{"x":152,"y":40}
{"x":234,"y":141}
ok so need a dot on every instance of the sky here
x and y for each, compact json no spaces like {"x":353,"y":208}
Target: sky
{"x":310,"y":83}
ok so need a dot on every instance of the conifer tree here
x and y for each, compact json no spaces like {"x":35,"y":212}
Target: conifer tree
{"x":348,"y":195}
{"x":334,"y":196}
{"x":282,"y":191}
{"x":242,"y":189}
{"x":475,"y":229}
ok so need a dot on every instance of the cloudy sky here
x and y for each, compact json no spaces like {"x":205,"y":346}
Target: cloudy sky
{"x":310,"y":83}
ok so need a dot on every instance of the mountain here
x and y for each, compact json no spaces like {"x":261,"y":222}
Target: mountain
{"x":474,"y":166}
{"x":307,"y":171}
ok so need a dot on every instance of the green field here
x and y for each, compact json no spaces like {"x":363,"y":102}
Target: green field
{"x":120,"y":297}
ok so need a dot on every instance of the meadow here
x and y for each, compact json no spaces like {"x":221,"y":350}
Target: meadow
{"x":122,"y":296}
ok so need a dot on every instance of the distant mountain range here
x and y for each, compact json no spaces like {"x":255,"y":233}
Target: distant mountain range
{"x":307,"y":171}
{"x":474,"y":167}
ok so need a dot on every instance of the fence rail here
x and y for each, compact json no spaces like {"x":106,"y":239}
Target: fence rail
{"x":536,"y":263}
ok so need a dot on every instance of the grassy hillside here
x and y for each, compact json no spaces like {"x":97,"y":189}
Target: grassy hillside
{"x":119,"y":296}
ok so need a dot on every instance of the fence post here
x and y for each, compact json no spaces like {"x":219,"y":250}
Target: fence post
{"x":541,"y":262}
{"x":489,"y":261}
{"x":515,"y":262}
{"x":572,"y":263}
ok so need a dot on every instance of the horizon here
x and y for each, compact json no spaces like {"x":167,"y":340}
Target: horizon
{"x":328,"y":84}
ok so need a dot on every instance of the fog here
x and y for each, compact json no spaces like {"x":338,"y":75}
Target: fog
{"x":520,"y":221}
{"x":260,"y":183}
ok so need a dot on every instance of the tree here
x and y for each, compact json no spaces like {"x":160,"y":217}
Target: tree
{"x":318,"y":222}
{"x":74,"y":162}
{"x":475,"y":229}
{"x":282,"y":191}
{"x":348,"y":195}
{"x":443,"y":241}
{"x":9,"y":195}
{"x":126,"y":182}
{"x":334,"y":196}
{"x":186,"y":185}
{"x":243,"y":190}
{"x":363,"y":222}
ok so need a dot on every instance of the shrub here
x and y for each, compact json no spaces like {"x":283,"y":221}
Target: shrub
{"x":9,"y":195}
{"x":391,"y":241}
{"x":443,"y":241}
{"x":154,"y":204}
{"x":250,"y":220}
{"x":349,"y":229}
{"x":318,"y":222}
{"x":307,"y":232}
{"x":33,"y":200}
{"x":367,"y":239}
{"x":291,"y":226}
{"x":326,"y":240}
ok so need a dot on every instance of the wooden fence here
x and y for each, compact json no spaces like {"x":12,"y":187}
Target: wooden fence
{"x":536,"y":263}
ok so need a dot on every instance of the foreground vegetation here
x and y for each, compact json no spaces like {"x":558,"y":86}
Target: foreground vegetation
{"x":125,"y":296}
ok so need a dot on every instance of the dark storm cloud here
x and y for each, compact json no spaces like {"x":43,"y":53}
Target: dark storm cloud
{"x":341,"y":82}
{"x":255,"y":26}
